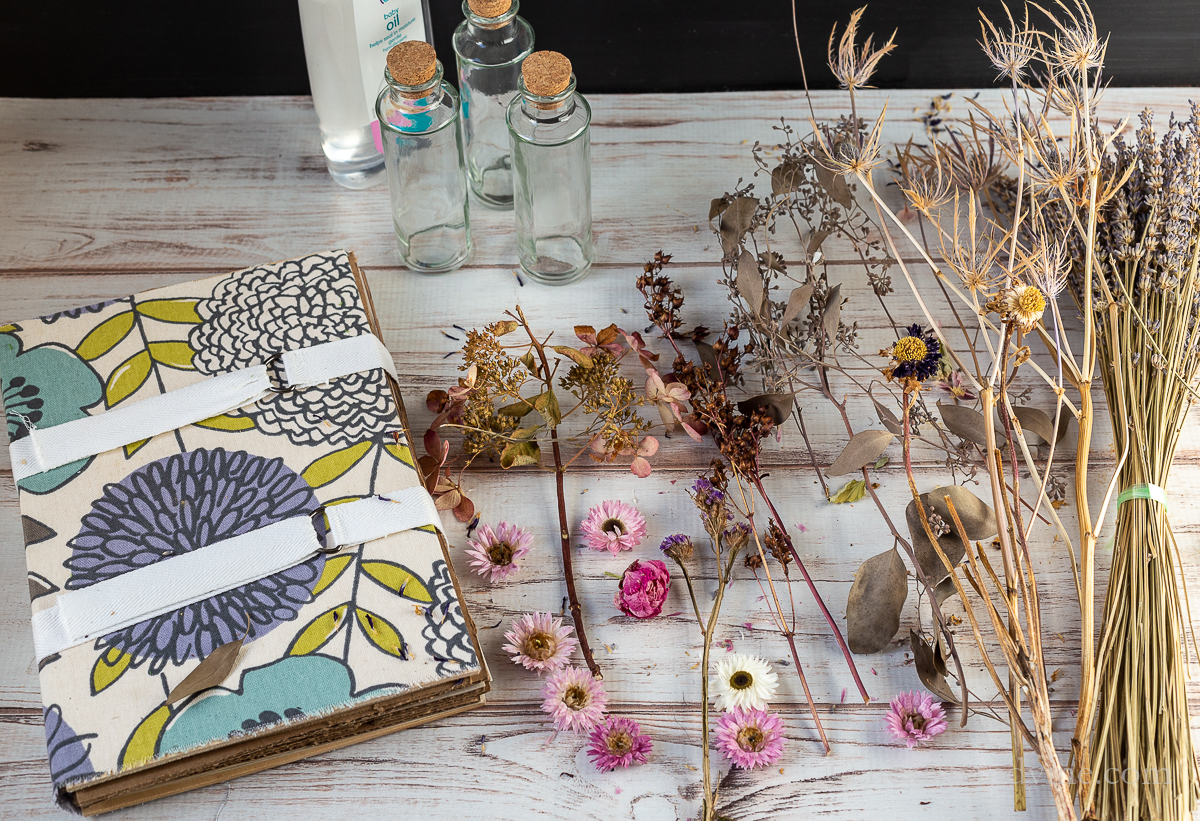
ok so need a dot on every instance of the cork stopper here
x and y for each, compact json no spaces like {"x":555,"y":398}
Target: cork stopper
{"x":546,"y":73}
{"x":412,"y":62}
{"x":489,"y":8}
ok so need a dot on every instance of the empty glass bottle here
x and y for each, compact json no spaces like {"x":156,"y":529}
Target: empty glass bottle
{"x":552,"y":179}
{"x":422,"y":149}
{"x":490,"y":45}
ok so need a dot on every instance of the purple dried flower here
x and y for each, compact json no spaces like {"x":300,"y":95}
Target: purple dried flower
{"x":916,"y":717}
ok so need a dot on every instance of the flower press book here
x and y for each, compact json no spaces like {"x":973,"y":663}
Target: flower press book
{"x":233,"y":563}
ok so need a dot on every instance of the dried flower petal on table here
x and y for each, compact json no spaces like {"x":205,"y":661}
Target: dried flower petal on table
{"x":618,"y":742}
{"x":750,"y":738}
{"x":539,"y":642}
{"x":574,"y":700}
{"x":494,"y":553}
{"x":916,"y":717}
{"x":614,"y":526}
{"x":745,"y":681}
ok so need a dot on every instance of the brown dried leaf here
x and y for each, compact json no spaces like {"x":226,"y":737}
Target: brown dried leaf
{"x":966,"y":423}
{"x":429,"y":472}
{"x":786,"y":177}
{"x":607,"y":335}
{"x":448,"y":500}
{"x":750,"y":282}
{"x":735,"y":221}
{"x":209,"y":673}
{"x":835,"y":185}
{"x":875,"y":602}
{"x":779,"y":405}
{"x":797,"y":302}
{"x":578,"y":357}
{"x":979,"y":522}
{"x":716,"y":208}
{"x":506,"y":326}
{"x":887,"y":418}
{"x":862,"y":449}
{"x":465,"y":510}
{"x":833,"y":314}
{"x":816,"y":240}
{"x":1041,"y":423}
{"x":944,"y":590}
{"x":708,"y":356}
{"x":931,"y":668}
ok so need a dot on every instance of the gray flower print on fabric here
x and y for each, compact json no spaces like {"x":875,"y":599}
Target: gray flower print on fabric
{"x":179,"y":504}
{"x":285,"y":307}
{"x":445,"y":631}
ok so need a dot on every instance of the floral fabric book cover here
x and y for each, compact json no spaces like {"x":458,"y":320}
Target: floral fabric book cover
{"x":342,"y":646}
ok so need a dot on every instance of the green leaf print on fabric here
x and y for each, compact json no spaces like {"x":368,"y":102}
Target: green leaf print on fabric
{"x":45,"y":386}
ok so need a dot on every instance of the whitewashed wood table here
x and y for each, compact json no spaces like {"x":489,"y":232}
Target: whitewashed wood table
{"x":102,"y":198}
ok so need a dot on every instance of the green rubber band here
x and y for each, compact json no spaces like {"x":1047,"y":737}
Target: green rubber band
{"x":1153,"y":492}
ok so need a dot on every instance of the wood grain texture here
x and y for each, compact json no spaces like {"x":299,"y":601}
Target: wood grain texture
{"x":105,"y":198}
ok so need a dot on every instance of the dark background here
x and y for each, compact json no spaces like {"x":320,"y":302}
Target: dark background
{"x":138,"y":48}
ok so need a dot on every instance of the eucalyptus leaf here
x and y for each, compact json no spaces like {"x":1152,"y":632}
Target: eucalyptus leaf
{"x":930,"y":668}
{"x":735,"y":221}
{"x":786,"y":177}
{"x":815,"y":240}
{"x":944,"y":590}
{"x":875,"y":602}
{"x":750,"y":282}
{"x":887,"y":418}
{"x":779,"y":405}
{"x":862,"y":449}
{"x":708,"y":356}
{"x":209,"y":673}
{"x":835,"y":185}
{"x":852,"y":491}
{"x":1042,"y":423}
{"x":966,"y":423}
{"x":833,"y":314}
{"x":978,"y":519}
{"x":798,"y":300}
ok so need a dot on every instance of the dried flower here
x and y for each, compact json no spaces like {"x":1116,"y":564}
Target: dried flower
{"x":954,"y":385}
{"x":743,"y":681}
{"x":618,"y":742}
{"x":679,"y":547}
{"x":494,"y":553}
{"x":777,"y":544}
{"x":574,"y":700}
{"x":643,"y":589}
{"x":1011,"y":51}
{"x":1023,"y":305}
{"x":737,"y":536}
{"x":916,"y":717}
{"x":540,"y":642}
{"x":750,"y":738}
{"x":854,"y":67}
{"x":614,"y":526}
{"x":916,"y":356}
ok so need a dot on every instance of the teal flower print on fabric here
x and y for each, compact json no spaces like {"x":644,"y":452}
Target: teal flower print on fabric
{"x":45,"y":386}
{"x":286,"y":690}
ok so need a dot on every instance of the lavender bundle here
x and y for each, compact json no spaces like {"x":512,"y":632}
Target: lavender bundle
{"x":1145,"y":302}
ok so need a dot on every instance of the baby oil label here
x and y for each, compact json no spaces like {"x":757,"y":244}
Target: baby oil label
{"x":381,"y":24}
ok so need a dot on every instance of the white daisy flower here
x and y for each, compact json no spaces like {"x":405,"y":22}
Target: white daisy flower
{"x":1024,"y":304}
{"x":743,"y":681}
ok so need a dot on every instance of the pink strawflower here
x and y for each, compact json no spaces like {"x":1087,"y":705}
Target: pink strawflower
{"x":643,"y":589}
{"x":540,"y":642}
{"x":614,"y":526}
{"x":916,"y":717}
{"x":618,"y":742}
{"x":574,"y":700}
{"x":494,"y":553}
{"x":750,"y":738}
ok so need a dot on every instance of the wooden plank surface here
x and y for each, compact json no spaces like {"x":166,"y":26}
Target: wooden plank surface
{"x":104,"y":198}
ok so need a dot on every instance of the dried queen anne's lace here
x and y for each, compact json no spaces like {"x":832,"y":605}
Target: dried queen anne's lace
{"x":285,"y":307}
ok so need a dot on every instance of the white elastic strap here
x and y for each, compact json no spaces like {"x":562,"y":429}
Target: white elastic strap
{"x":48,"y":448}
{"x":331,"y":360}
{"x":82,"y":615}
{"x":79,"y":616}
{"x":372,"y":518}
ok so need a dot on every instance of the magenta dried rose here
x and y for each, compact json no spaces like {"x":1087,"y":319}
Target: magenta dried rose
{"x":643,"y":589}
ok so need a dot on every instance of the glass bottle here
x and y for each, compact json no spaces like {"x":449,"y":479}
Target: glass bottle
{"x":422,"y":148}
{"x":490,"y":45}
{"x":345,"y":44}
{"x":552,"y":180}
